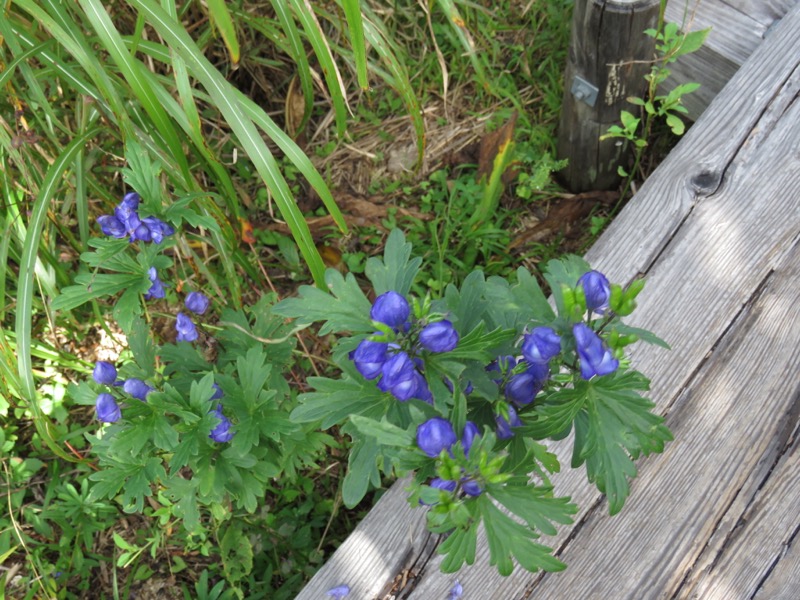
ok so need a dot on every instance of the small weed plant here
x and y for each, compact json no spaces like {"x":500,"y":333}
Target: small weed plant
{"x":671,"y":44}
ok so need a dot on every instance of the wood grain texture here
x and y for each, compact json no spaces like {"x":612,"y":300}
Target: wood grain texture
{"x":713,"y":229}
{"x":754,"y":558}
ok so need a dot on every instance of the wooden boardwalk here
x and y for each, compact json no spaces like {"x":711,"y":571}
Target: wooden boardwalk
{"x":715,"y":230}
{"x":737,"y":28}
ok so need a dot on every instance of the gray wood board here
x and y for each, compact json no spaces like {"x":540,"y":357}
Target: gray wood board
{"x":737,"y":28}
{"x":734,"y":223}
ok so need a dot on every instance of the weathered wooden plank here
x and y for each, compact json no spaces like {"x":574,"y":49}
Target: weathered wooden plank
{"x":727,"y":424}
{"x":738,"y":27}
{"x":755,"y":551}
{"x":715,"y":156}
{"x":784,"y":581}
{"x":386,"y":543}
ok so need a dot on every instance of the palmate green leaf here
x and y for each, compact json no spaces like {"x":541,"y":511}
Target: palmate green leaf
{"x":479,"y":344}
{"x":337,"y":399}
{"x":183,"y":492}
{"x":616,"y":427}
{"x":518,"y":305}
{"x":396,"y":270}
{"x":467,"y":303}
{"x":91,"y":286}
{"x":555,"y":412}
{"x":346,"y":310}
{"x":536,"y":505}
{"x":362,"y":469}
{"x":459,"y":548}
{"x":383,"y":431}
{"x":508,"y":539}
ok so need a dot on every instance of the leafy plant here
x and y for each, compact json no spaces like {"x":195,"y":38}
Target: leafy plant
{"x":671,"y":44}
{"x":438,"y":387}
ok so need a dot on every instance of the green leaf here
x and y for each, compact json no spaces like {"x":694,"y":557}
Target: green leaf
{"x":459,"y":548}
{"x":384,"y":432}
{"x":362,"y":469}
{"x":616,"y":428}
{"x":536,"y":505}
{"x":467,"y":304}
{"x":397,"y":270}
{"x":89,"y":287}
{"x":236,"y":553}
{"x":347,"y":310}
{"x":555,"y":412}
{"x":508,"y":539}
{"x":335,"y":400}
{"x":692,"y":42}
{"x":518,"y":305}
{"x":642,"y":334}
{"x":477,"y":345}
{"x":676,"y":124}
{"x":222,"y":20}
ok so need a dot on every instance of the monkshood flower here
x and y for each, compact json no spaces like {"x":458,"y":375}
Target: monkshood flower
{"x":523,"y":387}
{"x":595,"y":357}
{"x":107,"y":408}
{"x":197,"y":302}
{"x":390,"y":309}
{"x":435,"y":435}
{"x":440,"y":336}
{"x":187,"y":332}
{"x":471,"y":432}
{"x":222,"y":432}
{"x":128,"y":207}
{"x":399,"y":377}
{"x":156,"y":288}
{"x":455,"y":592}
{"x":369,"y":358}
{"x":217,"y":395}
{"x":503,"y":365}
{"x":112,"y":226}
{"x":541,"y":345}
{"x":339,"y":592}
{"x":504,"y":428}
{"x":596,"y":289}
{"x":421,"y":390}
{"x":137,"y":388}
{"x":471,"y":487}
{"x":104,"y":372}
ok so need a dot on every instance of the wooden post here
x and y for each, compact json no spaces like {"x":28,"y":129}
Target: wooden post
{"x":607,"y":61}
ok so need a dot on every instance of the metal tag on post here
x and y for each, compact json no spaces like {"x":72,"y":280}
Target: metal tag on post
{"x":584,"y":91}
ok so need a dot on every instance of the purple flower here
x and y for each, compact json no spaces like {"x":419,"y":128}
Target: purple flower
{"x":369,"y":358}
{"x":456,"y":591}
{"x":197,"y":302}
{"x":339,"y":592}
{"x":596,"y":289}
{"x":540,"y":345}
{"x":440,"y":336}
{"x":136,"y":388}
{"x":471,"y":432}
{"x":421,"y":389}
{"x":222,"y":432}
{"x":471,"y":487}
{"x":217,"y":392}
{"x":390,"y":309}
{"x":504,"y":428}
{"x":140,"y":233}
{"x":399,"y":377}
{"x":156,"y":288}
{"x":595,"y":357}
{"x":157,"y":229}
{"x":112,"y":226}
{"x":523,"y":387}
{"x":104,"y":372}
{"x":435,"y":435}
{"x":186,"y":329}
{"x":107,"y":408}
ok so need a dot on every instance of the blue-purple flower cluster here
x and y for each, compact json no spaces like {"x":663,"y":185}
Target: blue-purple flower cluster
{"x":437,"y":435}
{"x":125,"y":222}
{"x":397,"y":365}
{"x":109,"y":411}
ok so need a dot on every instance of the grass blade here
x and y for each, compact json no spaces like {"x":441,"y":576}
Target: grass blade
{"x":222,"y":20}
{"x":27,"y":285}
{"x":355,"y":29}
